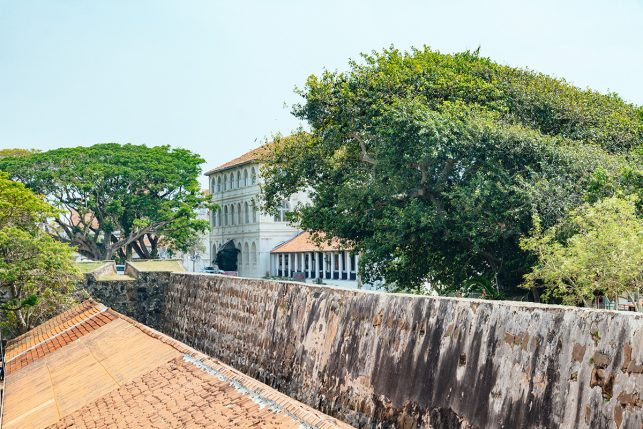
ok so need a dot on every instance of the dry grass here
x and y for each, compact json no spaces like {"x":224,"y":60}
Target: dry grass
{"x":114,"y":277}
{"x":158,"y":265}
{"x":89,"y":266}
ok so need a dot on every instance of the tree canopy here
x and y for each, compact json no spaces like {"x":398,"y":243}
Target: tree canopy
{"x":117,"y":199}
{"x":37,"y":276}
{"x":596,"y":250}
{"x":432,"y":165}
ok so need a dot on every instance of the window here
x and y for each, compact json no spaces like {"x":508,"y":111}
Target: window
{"x":238,"y":179}
{"x":245,"y":178}
{"x":219,"y":217}
{"x":253,"y":175}
{"x":282,"y":209}
{"x":214,"y":218}
{"x":245,"y":249}
{"x":247,"y":212}
{"x":225,"y":183}
{"x":239,"y":217}
{"x":225,"y":215}
{"x":232,"y":214}
{"x":231,"y":180}
{"x":240,"y":256}
{"x":218,"y":184}
{"x":253,"y":253}
{"x":254,"y":213}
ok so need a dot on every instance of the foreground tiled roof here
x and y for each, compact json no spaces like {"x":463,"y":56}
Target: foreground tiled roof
{"x":304,"y":243}
{"x":247,"y":157}
{"x":92,"y":367}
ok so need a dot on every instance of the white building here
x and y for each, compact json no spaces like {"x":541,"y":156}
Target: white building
{"x":266,"y":244}
{"x":199,"y":257}
{"x":302,"y":257}
{"x":235,"y":189}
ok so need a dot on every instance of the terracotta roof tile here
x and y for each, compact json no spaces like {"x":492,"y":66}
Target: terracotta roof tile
{"x":303,"y":242}
{"x":250,"y":156}
{"x":92,"y":367}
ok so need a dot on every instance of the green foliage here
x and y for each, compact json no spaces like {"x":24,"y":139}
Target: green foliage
{"x":117,"y":199}
{"x":431,"y":165}
{"x":4,"y":153}
{"x":37,"y":276}
{"x":20,"y":207}
{"x":596,"y":250}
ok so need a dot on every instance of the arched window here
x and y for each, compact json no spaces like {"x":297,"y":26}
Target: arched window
{"x":240,"y":256}
{"x":225,"y":215}
{"x":245,"y":177}
{"x":254,"y":213}
{"x":238,"y":179}
{"x":282,"y":209}
{"x":245,"y":249}
{"x":253,"y":175}
{"x":253,"y":253}
{"x":239,"y":217}
{"x":218,"y":184}
{"x":214,"y":218}
{"x":231,"y":180}
{"x":219,"y":217}
{"x":232,"y":214}
{"x":247,"y":212}
{"x":226,"y":186}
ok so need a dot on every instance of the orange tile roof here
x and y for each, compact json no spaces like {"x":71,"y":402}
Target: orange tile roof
{"x":253,"y":155}
{"x":303,"y":242}
{"x":93,"y":367}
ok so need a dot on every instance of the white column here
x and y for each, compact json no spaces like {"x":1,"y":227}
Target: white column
{"x":316,"y":258}
{"x":356,"y":266}
{"x":275,"y":261}
{"x":309,"y":258}
{"x":332,"y":265}
{"x":296,"y":267}
{"x":324,"y":268}
{"x":341,"y":264}
{"x":348,"y":265}
{"x":289,"y":265}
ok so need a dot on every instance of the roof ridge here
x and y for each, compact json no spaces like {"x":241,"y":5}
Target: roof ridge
{"x":76,"y":309}
{"x":245,"y":158}
{"x":102,"y":309}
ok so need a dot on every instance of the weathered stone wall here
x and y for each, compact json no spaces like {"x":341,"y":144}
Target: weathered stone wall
{"x":385,"y":360}
{"x":141,"y":298}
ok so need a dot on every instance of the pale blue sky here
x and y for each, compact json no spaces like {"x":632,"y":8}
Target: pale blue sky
{"x":213,"y":76}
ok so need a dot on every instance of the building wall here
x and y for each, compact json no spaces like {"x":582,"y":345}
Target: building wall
{"x":261,"y":233}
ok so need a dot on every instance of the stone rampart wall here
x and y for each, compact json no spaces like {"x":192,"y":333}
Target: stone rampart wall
{"x":390,"y":360}
{"x":141,"y":298}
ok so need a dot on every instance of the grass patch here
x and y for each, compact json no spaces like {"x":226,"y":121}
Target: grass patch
{"x":89,"y":266}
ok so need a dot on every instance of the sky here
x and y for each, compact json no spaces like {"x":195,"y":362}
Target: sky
{"x":218,"y":77}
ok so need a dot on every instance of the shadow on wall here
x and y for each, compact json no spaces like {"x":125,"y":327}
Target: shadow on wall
{"x":384,"y":360}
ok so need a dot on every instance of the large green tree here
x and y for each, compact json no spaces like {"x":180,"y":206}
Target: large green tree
{"x":432,"y":165}
{"x":117,"y":200}
{"x":596,"y":250}
{"x":37,"y":276}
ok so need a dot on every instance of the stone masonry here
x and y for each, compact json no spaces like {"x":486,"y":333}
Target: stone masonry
{"x":394,"y":360}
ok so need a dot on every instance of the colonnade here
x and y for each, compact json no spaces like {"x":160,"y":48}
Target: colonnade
{"x":337,"y":265}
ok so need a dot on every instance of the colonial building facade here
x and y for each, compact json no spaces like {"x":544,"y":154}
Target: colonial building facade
{"x":234,"y":187}
{"x":267,"y":244}
{"x":304,"y":258}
